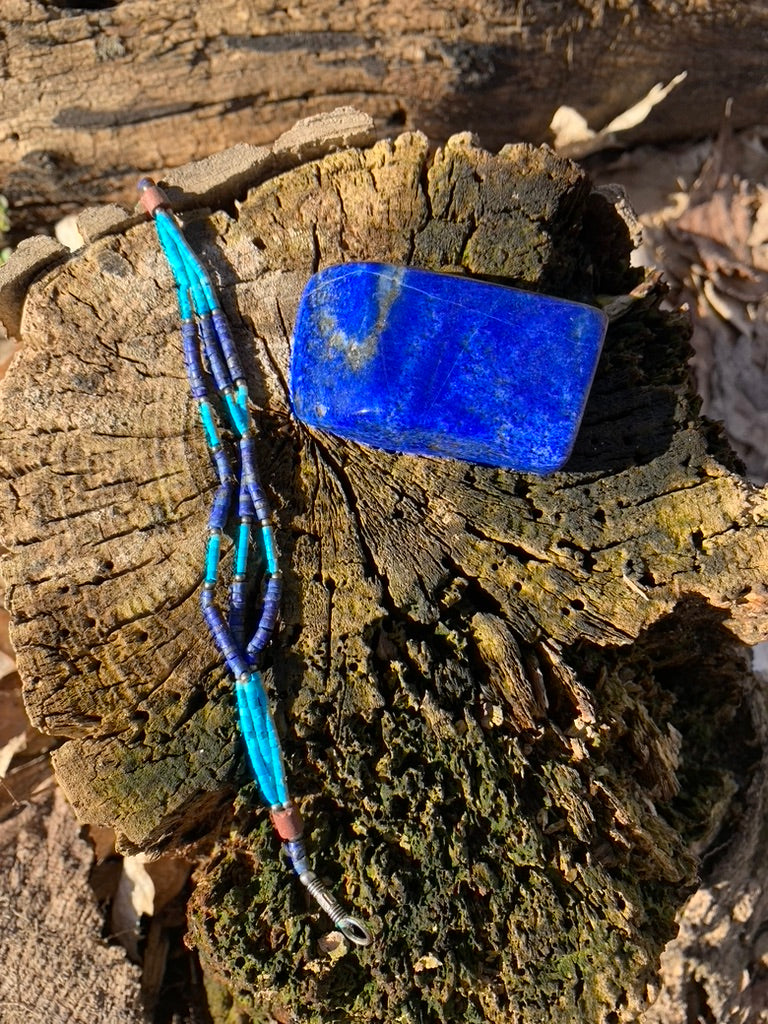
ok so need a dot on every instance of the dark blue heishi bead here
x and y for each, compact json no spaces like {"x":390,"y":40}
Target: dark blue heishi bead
{"x":227,"y":343}
{"x":217,"y":519}
{"x":223,"y":467}
{"x":195,"y":372}
{"x":258,"y":503}
{"x":435,"y":364}
{"x":237,"y":623}
{"x":268,"y":616}
{"x":244,"y":505}
{"x":260,"y":639}
{"x":219,"y":368}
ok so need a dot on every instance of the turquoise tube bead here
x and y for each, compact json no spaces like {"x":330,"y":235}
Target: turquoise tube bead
{"x":185,"y":304}
{"x":270,"y":553}
{"x":278,"y":769}
{"x":209,"y":426}
{"x":263,"y":730}
{"x":260,"y":770}
{"x":239,"y":418}
{"x":198,"y":299}
{"x":210,"y":296}
{"x":257,"y":701}
{"x":241,"y":554}
{"x":241,"y":396}
{"x":197,"y":273}
{"x":167,"y":234}
{"x":212,"y":550}
{"x":175,"y":248}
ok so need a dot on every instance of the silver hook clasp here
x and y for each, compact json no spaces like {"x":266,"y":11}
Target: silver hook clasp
{"x":350,"y":927}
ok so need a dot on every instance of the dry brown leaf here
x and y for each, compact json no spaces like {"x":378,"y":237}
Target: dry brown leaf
{"x":134,"y":896}
{"x":574,"y":137}
{"x":710,"y":236}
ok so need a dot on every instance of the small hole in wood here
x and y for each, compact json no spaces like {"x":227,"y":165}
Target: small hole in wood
{"x":83,"y":5}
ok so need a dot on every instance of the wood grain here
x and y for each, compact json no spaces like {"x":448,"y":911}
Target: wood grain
{"x":93,"y":96}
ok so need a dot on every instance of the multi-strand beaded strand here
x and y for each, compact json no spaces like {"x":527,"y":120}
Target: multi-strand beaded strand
{"x":214,"y":367}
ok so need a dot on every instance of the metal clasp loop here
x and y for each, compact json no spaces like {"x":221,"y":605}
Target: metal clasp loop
{"x":350,"y":927}
{"x":354,"y":931}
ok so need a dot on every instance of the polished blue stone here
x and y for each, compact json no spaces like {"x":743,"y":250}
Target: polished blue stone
{"x":435,"y":364}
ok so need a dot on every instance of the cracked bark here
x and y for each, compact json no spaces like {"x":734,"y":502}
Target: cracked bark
{"x":92,"y":97}
{"x":497,"y":692}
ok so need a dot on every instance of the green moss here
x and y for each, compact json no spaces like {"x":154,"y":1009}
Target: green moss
{"x":484,"y":867}
{"x":498,"y":880}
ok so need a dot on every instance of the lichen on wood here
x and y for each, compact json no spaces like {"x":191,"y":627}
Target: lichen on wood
{"x":509,"y":704}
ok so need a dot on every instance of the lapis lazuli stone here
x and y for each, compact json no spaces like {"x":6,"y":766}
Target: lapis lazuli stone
{"x":434,"y":364}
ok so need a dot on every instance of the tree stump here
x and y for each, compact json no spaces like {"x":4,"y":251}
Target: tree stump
{"x":511,"y":706}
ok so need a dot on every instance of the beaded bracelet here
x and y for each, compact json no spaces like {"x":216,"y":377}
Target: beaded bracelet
{"x":214,"y":368}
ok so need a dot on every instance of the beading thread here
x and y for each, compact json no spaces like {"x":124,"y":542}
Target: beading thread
{"x":217,"y":380}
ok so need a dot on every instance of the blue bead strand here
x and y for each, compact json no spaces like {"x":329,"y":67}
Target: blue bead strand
{"x":209,"y":349}
{"x":213,"y":366}
{"x":256,"y":699}
{"x":262,"y":773}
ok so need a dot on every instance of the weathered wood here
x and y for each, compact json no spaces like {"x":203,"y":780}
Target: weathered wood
{"x":56,"y":965}
{"x":716,"y":966}
{"x":493,"y":686}
{"x":90,"y":96}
